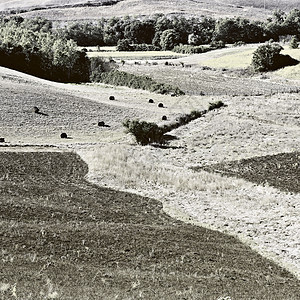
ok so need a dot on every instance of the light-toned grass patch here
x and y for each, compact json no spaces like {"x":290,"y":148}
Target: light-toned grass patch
{"x":135,"y":54}
{"x":239,"y":58}
{"x":137,"y":169}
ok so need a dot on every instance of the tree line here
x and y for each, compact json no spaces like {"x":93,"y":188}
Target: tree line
{"x":166,"y":32}
{"x":31,"y":46}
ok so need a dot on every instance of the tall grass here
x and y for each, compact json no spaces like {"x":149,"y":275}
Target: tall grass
{"x":123,"y":165}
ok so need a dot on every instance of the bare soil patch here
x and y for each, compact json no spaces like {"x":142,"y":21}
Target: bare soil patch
{"x":281,"y":171}
{"x":65,"y":238}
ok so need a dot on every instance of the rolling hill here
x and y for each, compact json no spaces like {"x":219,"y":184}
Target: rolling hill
{"x":88,"y":10}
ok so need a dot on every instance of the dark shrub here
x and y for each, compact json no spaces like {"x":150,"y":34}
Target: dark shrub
{"x":2,"y":140}
{"x":101,"y":124}
{"x":164,"y":118}
{"x":63,"y":135}
{"x":111,"y":98}
{"x":144,"y":132}
{"x":215,"y":105}
{"x":268,"y":58}
{"x":160,"y":105}
{"x":151,"y":101}
{"x":35,"y":109}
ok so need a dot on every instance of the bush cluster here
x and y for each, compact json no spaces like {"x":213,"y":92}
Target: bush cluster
{"x":144,"y":132}
{"x":126,"y":45}
{"x":122,"y":78}
{"x":188,"y":49}
{"x":267,"y":57}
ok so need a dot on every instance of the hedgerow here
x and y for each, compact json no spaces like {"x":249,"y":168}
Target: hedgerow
{"x":143,"y":82}
{"x":148,"y":132}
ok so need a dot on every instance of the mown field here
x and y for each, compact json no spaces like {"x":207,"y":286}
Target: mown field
{"x":64,"y":238}
{"x":229,"y":68}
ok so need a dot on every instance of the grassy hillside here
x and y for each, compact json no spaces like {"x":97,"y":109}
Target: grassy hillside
{"x":253,"y":9}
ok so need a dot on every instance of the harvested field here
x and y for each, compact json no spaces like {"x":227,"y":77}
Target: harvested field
{"x":64,"y":238}
{"x":281,"y":171}
{"x":197,"y":80}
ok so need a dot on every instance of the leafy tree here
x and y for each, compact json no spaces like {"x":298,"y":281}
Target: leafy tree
{"x":84,"y":34}
{"x":227,"y":30}
{"x":267,"y":58}
{"x":292,"y":22}
{"x":140,"y":32}
{"x":264,"y":57}
{"x":169,"y":39}
{"x":124,"y":45}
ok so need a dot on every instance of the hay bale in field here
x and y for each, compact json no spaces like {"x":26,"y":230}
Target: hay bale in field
{"x":160,"y":105}
{"x":2,"y":140}
{"x":111,"y":97}
{"x":64,"y":135}
{"x":164,"y":118}
{"x":151,"y":101}
{"x":101,"y":124}
{"x":35,"y":109}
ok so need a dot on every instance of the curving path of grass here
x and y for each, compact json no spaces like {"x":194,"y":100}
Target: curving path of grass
{"x":65,"y":238}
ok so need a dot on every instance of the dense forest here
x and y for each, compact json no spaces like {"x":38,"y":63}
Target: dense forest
{"x":34,"y":46}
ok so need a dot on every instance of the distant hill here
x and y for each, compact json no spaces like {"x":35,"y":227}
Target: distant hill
{"x":94,"y":9}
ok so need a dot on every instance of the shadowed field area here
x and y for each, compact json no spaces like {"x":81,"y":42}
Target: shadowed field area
{"x":64,"y":238}
{"x":281,"y":171}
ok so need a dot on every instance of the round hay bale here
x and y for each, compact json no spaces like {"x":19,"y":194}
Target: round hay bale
{"x":164,"y":118}
{"x":63,"y":135}
{"x":101,"y":124}
{"x":160,"y":105}
{"x":35,"y":109}
{"x":111,"y":97}
{"x":2,"y":140}
{"x":151,"y":101}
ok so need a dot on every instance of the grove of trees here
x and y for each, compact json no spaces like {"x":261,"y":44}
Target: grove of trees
{"x":34,"y":46}
{"x":30,"y":46}
{"x":165,"y":32}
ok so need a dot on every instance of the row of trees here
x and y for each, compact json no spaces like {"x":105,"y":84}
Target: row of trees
{"x":30,"y":46}
{"x":180,"y":30}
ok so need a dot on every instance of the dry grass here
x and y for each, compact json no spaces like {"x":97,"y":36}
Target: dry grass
{"x":136,"y":54}
{"x":141,"y":7}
